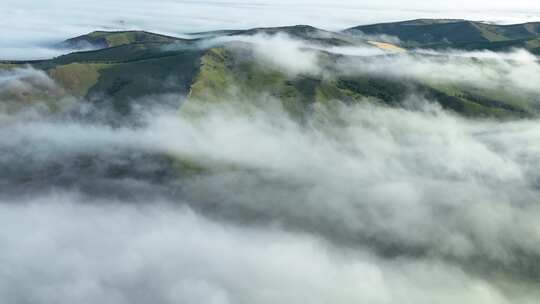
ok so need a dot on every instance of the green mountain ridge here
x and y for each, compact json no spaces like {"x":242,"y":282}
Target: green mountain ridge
{"x":439,"y":33}
{"x":106,"y":39}
{"x":131,"y":65}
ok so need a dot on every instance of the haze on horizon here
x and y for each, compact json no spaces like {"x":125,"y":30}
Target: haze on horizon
{"x":39,"y":23}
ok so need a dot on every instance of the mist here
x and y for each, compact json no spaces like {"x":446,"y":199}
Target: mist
{"x":66,"y":19}
{"x":515,"y":70}
{"x":391,"y":204}
{"x":122,"y":254}
{"x":358,"y":202}
{"x":482,"y":69}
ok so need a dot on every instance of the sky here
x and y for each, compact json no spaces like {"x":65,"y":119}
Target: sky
{"x":30,"y":21}
{"x":33,"y":27}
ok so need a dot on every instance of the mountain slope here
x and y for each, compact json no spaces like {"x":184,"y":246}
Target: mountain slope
{"x":134,"y":65}
{"x":104,"y":39}
{"x":445,"y":33}
{"x":229,"y":75}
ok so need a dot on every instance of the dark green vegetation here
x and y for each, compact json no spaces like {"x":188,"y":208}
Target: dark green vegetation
{"x":102,"y":39}
{"x":301,"y":32}
{"x":461,"y":34}
{"x":129,"y":66}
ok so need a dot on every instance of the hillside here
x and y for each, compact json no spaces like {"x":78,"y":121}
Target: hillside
{"x":455,"y":33}
{"x":129,"y":66}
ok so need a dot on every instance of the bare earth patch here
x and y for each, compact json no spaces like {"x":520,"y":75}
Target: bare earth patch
{"x":387,"y":46}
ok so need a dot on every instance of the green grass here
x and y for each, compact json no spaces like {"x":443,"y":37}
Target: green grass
{"x":214,"y":77}
{"x":232,"y":74}
{"x":77,"y":78}
{"x":7,"y":66}
{"x":229,"y":76}
{"x":477,"y":102}
{"x":452,"y":33}
{"x":225,"y":78}
{"x":490,"y":33}
{"x":533,"y":44}
{"x":114,"y":39}
{"x":123,"y":82}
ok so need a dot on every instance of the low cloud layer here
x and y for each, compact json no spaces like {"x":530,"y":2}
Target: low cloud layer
{"x":124,"y":254}
{"x":393,"y":204}
{"x":516,"y":71}
{"x":482,"y":69}
{"x":24,"y":20}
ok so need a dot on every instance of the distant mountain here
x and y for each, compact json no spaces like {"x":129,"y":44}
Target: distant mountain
{"x":104,"y":39}
{"x":303,"y":32}
{"x":437,"y":33}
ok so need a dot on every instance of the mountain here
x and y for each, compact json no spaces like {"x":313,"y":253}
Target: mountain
{"x":104,"y":39}
{"x":302,"y":32}
{"x":437,"y":33}
{"x":126,"y":67}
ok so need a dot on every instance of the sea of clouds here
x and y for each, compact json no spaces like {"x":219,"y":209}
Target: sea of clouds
{"x":32,"y":29}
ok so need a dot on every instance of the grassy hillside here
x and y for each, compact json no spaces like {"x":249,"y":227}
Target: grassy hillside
{"x":77,"y":78}
{"x":104,"y":39}
{"x":119,"y":76}
{"x":230,"y":75}
{"x":454,"y":33}
{"x":302,"y":32}
{"x":121,"y":83}
{"x":134,"y":65}
{"x":233,"y":75}
{"x":532,"y":45}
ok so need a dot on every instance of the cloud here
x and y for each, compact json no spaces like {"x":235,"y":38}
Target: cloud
{"x":30,"y":93}
{"x":117,"y":253}
{"x":278,"y":50}
{"x":64,"y":19}
{"x":500,"y":72}
{"x":481,"y":69}
{"x":464,"y":184}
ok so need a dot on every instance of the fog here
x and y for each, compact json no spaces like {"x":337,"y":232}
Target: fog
{"x":24,"y":20}
{"x":122,"y":254}
{"x":357,"y":203}
{"x":483,"y":69}
{"x":393,"y":204}
{"x":516,"y":71}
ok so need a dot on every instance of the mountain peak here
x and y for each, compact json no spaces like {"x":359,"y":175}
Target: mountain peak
{"x":104,"y":39}
{"x":441,"y":32}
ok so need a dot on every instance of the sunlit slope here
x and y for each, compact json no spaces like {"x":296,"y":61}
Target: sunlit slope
{"x":228,"y":75}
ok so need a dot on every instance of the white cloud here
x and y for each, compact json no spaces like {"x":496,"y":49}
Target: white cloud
{"x":513,"y":72}
{"x":57,"y":249}
{"x":310,"y":212}
{"x":340,"y":181}
{"x":24,"y":20}
{"x":278,"y":50}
